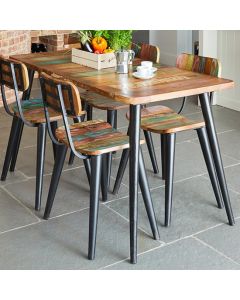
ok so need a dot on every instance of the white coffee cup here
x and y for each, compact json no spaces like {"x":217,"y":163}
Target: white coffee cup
{"x":144,"y":71}
{"x":146,"y":63}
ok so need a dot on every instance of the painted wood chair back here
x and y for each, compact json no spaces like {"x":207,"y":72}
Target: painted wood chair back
{"x":206,"y":65}
{"x":50,"y":91}
{"x":10,"y":69}
{"x":147,"y":52}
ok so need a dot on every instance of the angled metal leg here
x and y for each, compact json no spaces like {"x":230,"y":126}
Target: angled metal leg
{"x":212,"y":136}
{"x":150,"y":145}
{"x":94,"y":204}
{"x":163,"y":155}
{"x":170,"y":154}
{"x":10,"y":148}
{"x":54,"y":126}
{"x":20,"y":126}
{"x":134,"y":140}
{"x":110,"y":119}
{"x":121,"y":170}
{"x":41,"y":145}
{"x":144,"y":186}
{"x":71,"y":157}
{"x":207,"y":153}
{"x":104,"y":182}
{"x":87,"y":168}
{"x":57,"y":170}
{"x":89,"y":112}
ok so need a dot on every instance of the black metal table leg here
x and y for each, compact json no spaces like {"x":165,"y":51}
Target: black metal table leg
{"x":111,"y":120}
{"x":207,"y":153}
{"x":144,"y":186}
{"x":151,"y":151}
{"x":163,"y":155}
{"x":212,"y":135}
{"x":134,"y":139}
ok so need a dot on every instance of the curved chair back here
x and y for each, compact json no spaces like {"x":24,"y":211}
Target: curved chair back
{"x":206,"y":65}
{"x":147,"y":52}
{"x":53,"y":87}
{"x":11,"y":69}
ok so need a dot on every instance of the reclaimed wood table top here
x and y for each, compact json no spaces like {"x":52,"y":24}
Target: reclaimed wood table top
{"x":168,"y":83}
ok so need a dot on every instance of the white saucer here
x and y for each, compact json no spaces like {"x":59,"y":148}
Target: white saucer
{"x":136,"y":75}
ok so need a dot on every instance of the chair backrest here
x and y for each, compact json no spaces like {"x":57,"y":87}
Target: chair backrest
{"x":147,"y":52}
{"x":206,"y":65}
{"x":9,"y":69}
{"x":50,"y":92}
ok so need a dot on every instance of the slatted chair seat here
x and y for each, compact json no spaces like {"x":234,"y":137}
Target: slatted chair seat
{"x":94,"y":137}
{"x":34,"y":112}
{"x":159,"y":119}
{"x":101,"y":102}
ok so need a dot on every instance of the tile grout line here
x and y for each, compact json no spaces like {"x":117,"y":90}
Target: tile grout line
{"x":215,"y":250}
{"x":19,"y":202}
{"x":127,"y":220}
{"x":20,"y":227}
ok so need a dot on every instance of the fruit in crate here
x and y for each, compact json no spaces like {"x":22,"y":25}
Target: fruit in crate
{"x":85,"y":39}
{"x":99,"y":44}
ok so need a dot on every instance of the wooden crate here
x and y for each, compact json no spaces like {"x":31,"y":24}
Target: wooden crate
{"x":92,"y":60}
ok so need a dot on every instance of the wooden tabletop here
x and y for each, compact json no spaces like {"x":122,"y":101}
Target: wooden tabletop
{"x":168,"y":83}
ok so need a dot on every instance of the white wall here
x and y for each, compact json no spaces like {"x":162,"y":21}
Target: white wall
{"x":171,"y":43}
{"x":228,"y":49}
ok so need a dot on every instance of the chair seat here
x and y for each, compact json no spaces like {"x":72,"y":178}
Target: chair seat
{"x":159,"y":120}
{"x":94,"y":137}
{"x":101,"y":102}
{"x":33,"y":111}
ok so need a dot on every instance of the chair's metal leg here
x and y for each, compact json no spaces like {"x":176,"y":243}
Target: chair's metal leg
{"x":89,"y":112}
{"x":170,"y":154}
{"x":134,"y":140}
{"x":150,"y":145}
{"x":41,"y":145}
{"x":71,"y":157}
{"x":94,"y":204}
{"x":144,"y":186}
{"x":54,"y":126}
{"x":110,"y":119}
{"x":20,"y":126}
{"x":115,"y":125}
{"x":163,"y":155}
{"x":121,"y":170}
{"x":212,"y":136}
{"x":87,"y":168}
{"x":57,"y":170}
{"x":203,"y":139}
{"x":10,"y":148}
{"x":104,"y":182}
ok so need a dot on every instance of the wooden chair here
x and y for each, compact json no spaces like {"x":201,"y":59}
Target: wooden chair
{"x":93,"y":100}
{"x":157,"y":120}
{"x":91,"y":140}
{"x":14,"y":75}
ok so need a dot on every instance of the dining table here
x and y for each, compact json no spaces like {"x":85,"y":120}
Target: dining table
{"x":168,"y":83}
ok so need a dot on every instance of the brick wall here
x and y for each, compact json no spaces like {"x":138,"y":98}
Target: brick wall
{"x":19,"y":42}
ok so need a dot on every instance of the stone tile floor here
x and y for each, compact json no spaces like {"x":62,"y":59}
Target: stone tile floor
{"x":199,"y":237}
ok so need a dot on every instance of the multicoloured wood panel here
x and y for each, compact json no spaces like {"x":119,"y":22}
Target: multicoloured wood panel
{"x":120,"y":87}
{"x":160,"y":120}
{"x":200,"y":64}
{"x":33,"y":111}
{"x":94,"y":137}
